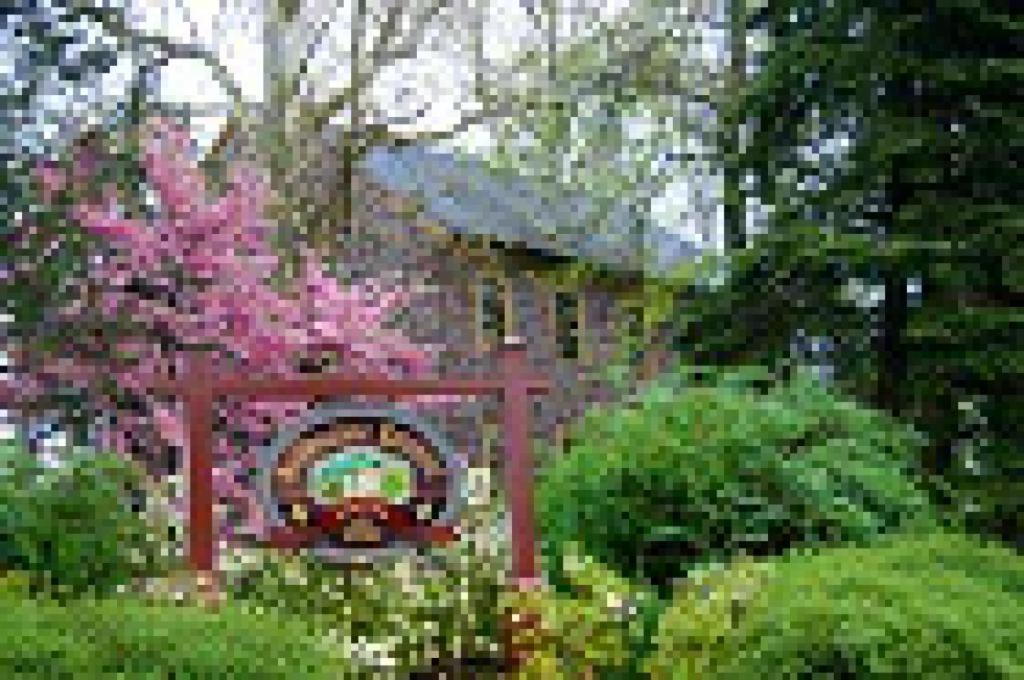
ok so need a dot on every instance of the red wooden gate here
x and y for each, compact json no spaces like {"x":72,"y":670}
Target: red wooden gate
{"x":200,"y":387}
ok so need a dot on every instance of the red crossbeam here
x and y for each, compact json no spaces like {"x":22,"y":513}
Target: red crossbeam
{"x":290,"y":388}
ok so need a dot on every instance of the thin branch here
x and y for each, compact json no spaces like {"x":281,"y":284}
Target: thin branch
{"x":382,"y":57}
{"x":114,"y":22}
{"x":319,"y":115}
{"x":483,"y":115}
{"x":389,"y":29}
{"x":192,"y":25}
{"x":337,"y":102}
{"x":384,"y":54}
{"x":320,"y":32}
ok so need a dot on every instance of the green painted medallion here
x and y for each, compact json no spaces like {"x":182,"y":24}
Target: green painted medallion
{"x":360,"y":471}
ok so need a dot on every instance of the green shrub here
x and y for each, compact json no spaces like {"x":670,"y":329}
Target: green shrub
{"x":990,"y":499}
{"x":937,"y":606}
{"x":598,"y":628}
{"x":698,"y":474}
{"x":119,"y":637}
{"x":73,"y":529}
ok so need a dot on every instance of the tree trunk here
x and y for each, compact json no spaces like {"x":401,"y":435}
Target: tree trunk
{"x":353,"y":136}
{"x":892,"y":359}
{"x":734,"y":215}
{"x":892,"y":347}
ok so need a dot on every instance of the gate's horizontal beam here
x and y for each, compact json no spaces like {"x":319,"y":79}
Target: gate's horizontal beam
{"x":286,"y":389}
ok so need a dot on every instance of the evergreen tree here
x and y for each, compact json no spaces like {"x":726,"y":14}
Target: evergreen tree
{"x":886,"y":138}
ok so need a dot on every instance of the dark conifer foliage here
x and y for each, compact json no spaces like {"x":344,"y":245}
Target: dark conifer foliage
{"x":887,"y":138}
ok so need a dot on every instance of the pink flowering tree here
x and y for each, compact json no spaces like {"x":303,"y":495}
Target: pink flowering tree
{"x":196,"y":274}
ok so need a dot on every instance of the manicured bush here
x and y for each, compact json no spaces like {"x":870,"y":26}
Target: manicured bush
{"x":119,"y":637}
{"x":73,"y":529}
{"x":935,"y":606}
{"x":695,"y":474}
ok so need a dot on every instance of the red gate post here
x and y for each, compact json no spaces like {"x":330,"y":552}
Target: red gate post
{"x":518,"y":468}
{"x":198,"y":396}
{"x":518,"y":462}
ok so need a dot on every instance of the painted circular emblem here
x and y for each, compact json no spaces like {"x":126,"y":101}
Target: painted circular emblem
{"x":362,"y":479}
{"x":361,"y":472}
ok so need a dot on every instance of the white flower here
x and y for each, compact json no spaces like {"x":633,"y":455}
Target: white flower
{"x":368,"y":652}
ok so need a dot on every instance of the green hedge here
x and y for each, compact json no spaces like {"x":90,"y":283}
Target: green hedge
{"x":698,"y":474}
{"x":91,"y":638}
{"x":938,"y":606}
{"x":74,"y":529}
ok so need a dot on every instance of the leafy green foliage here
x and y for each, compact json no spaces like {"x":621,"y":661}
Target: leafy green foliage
{"x":883,"y":137}
{"x":684,"y":477}
{"x":598,"y":627}
{"x":91,"y":638}
{"x":934,"y":606}
{"x":420,"y":611}
{"x":73,"y":529}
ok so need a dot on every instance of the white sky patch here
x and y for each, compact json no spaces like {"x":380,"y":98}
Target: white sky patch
{"x":690,"y":210}
{"x":429,"y":93}
{"x":115,"y":83}
{"x":190,"y":81}
{"x":232,"y":29}
{"x":507,"y":30}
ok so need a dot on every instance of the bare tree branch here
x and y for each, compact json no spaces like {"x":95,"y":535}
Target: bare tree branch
{"x":391,"y":46}
{"x":113,"y":20}
{"x":483,"y":115}
{"x":309,"y":51}
{"x":384,"y":56}
{"x":389,"y":29}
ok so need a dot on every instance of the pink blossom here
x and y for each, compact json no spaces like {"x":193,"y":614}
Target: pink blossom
{"x":52,"y":180}
{"x":170,"y":169}
{"x":198,"y":274}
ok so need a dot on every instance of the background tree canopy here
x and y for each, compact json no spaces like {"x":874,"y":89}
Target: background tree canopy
{"x":885,"y":140}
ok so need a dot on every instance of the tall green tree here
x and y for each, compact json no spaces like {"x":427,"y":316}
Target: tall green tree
{"x":886,"y":139}
{"x":731,"y":121}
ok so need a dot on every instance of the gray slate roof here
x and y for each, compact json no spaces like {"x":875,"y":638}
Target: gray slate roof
{"x":468,"y":197}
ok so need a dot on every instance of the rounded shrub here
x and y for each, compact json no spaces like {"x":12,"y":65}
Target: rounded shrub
{"x":702,"y":473}
{"x":936,"y":606}
{"x":118,"y":637}
{"x":74,"y":529}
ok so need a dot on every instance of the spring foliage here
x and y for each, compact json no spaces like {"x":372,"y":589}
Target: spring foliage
{"x":935,"y":606}
{"x":885,"y":137}
{"x":117,"y":637}
{"x":73,"y":530}
{"x":685,"y":477}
